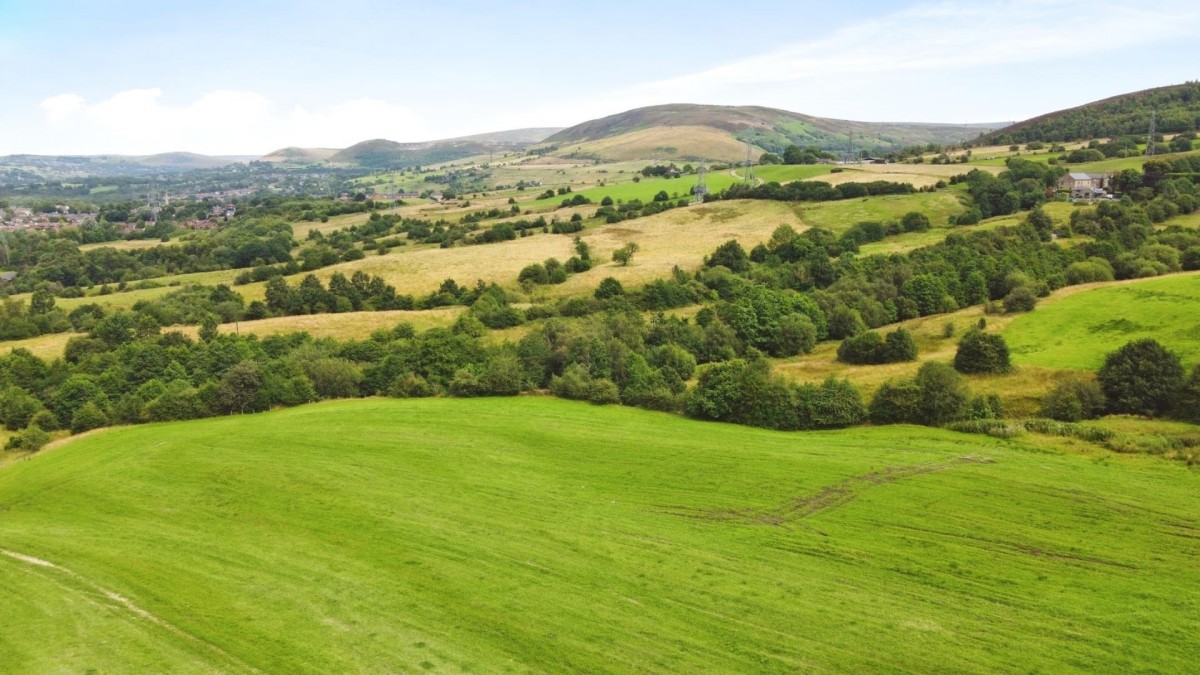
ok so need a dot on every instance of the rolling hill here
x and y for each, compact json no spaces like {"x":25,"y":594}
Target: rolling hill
{"x":533,"y":534}
{"x":382,"y":153}
{"x":720,"y":132}
{"x":61,"y":166}
{"x":1176,"y":109}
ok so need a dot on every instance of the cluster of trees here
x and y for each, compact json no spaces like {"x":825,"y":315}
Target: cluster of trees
{"x":552,"y":271}
{"x":360,"y":292}
{"x":1022,"y":186}
{"x":55,"y":259}
{"x":868,"y":347}
{"x":1140,"y":378}
{"x":615,"y":212}
{"x":815,"y":191}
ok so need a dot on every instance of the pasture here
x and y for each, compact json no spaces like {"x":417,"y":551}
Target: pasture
{"x":1079,"y":325}
{"x":535,"y":534}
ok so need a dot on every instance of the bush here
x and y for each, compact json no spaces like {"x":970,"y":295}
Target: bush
{"x":982,"y":353}
{"x":88,"y":416}
{"x":1020,"y":299}
{"x":1141,"y":378}
{"x":1073,"y":400}
{"x":833,"y":405}
{"x":31,"y":439}
{"x":896,"y":403}
{"x":409,"y":385}
{"x":869,"y":348}
{"x":1187,"y":406}
{"x":915,"y":221}
{"x":608,"y":288}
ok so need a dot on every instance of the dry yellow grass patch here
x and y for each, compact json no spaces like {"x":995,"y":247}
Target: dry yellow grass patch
{"x":919,"y":175}
{"x":346,"y":326}
{"x":680,"y":237}
{"x":126,"y":245}
{"x":47,"y":347}
{"x":665,"y":143}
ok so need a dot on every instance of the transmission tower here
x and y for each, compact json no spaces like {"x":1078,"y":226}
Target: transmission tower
{"x":749,"y":166}
{"x":701,"y":189}
{"x":1150,"y":137}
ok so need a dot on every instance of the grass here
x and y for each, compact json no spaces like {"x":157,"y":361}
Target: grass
{"x":1078,"y":328}
{"x":838,"y":216}
{"x":544,"y":535}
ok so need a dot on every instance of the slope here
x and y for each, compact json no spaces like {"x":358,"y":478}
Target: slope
{"x":544,"y":535}
{"x":767,"y":128}
{"x":1176,"y":108}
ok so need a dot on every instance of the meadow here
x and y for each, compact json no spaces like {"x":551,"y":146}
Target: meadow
{"x":534,"y":534}
{"x":1077,"y":327}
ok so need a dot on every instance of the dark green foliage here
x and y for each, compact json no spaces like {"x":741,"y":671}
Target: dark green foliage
{"x":1176,"y":108}
{"x":743,"y":393}
{"x":88,"y":416}
{"x":833,"y":405}
{"x":845,"y":322}
{"x":1073,"y":400}
{"x":944,"y":394}
{"x":897,"y":402}
{"x":915,"y":221}
{"x":1020,"y":299}
{"x":608,"y":288}
{"x":1187,"y":405}
{"x":1141,"y":378}
{"x":730,"y":255}
{"x":869,"y":348}
{"x":31,"y":439}
{"x":982,"y":353}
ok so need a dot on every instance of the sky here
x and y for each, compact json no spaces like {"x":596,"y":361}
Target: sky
{"x":247,"y":77}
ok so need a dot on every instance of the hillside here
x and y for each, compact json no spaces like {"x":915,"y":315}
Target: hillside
{"x":63,"y":166}
{"x":294,"y":155}
{"x":1176,"y":109}
{"x":766,"y":128}
{"x":555,"y":536}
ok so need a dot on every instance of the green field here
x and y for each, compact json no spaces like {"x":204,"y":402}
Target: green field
{"x":536,"y":534}
{"x":1077,"y":330}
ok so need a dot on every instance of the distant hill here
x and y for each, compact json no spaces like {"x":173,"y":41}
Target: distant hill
{"x":294,"y":155}
{"x":1176,"y":109}
{"x":60,"y":166}
{"x":720,"y":132}
{"x":380,"y":153}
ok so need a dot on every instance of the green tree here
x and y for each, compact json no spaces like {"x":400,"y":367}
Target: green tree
{"x":1141,"y":378}
{"x":624,"y":255}
{"x":239,"y":387}
{"x":88,"y":416}
{"x":608,"y":287}
{"x":944,"y":394}
{"x":980,"y":353}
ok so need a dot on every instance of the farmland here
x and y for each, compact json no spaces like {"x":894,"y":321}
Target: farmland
{"x":550,"y":535}
{"x":1077,"y":328}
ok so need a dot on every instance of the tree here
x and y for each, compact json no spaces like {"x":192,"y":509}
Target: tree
{"x":845,"y":322}
{"x":208,"y":328}
{"x":624,"y":255}
{"x":1020,"y":299}
{"x":1187,"y":406}
{"x":731,"y":255}
{"x":915,"y":221}
{"x":1042,"y":222}
{"x":239,"y":387}
{"x":944,"y":395}
{"x":88,"y":416}
{"x":608,"y":287}
{"x":1141,"y":378}
{"x":982,"y":353}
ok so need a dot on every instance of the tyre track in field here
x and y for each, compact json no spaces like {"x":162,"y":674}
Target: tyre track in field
{"x":131,"y":607}
{"x":826,"y":499}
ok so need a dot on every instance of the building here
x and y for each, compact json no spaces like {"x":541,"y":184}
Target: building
{"x":1086,"y":185}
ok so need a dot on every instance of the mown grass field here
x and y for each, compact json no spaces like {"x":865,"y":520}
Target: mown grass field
{"x":542,"y":535}
{"x":1078,"y":327}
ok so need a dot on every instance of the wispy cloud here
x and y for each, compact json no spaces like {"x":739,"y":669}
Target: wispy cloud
{"x":927,"y":38}
{"x":231,"y":122}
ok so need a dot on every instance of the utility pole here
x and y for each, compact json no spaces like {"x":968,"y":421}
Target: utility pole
{"x":749,"y":166}
{"x":1150,"y":137}
{"x":701,"y":189}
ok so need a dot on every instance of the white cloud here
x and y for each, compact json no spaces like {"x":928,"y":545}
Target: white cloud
{"x":916,"y":43}
{"x":137,"y":121}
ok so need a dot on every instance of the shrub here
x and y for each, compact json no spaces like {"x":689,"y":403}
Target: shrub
{"x":944,"y":395}
{"x":1141,"y":378}
{"x":31,"y":439}
{"x":896,"y":403}
{"x":1073,"y":400}
{"x":865,"y":348}
{"x":980,"y":353}
{"x":834,"y":404}
{"x":1187,"y":406}
{"x":608,"y":288}
{"x":409,"y":385}
{"x":915,"y":221}
{"x":1020,"y":299}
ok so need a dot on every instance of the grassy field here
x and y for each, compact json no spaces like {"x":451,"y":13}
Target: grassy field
{"x":1075,"y":329}
{"x":840,"y":215}
{"x":542,"y":535}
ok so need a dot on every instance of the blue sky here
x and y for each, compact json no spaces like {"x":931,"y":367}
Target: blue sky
{"x":248,"y":77}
